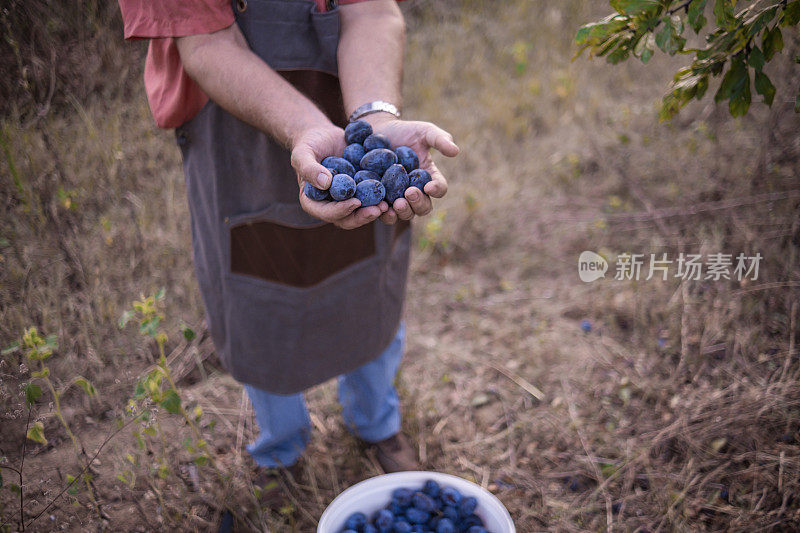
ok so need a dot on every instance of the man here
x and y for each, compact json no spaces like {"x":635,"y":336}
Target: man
{"x":296,"y":291}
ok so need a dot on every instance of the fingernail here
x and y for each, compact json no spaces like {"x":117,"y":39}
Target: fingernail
{"x":322,"y":180}
{"x":413,"y":196}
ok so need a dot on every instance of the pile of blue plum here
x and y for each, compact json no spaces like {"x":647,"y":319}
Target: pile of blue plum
{"x":431,"y":509}
{"x":370,"y":170}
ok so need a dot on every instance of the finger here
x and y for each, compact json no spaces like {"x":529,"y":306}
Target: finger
{"x":389,"y":217}
{"x":403,"y":209}
{"x":437,"y":187}
{"x":437,"y":138}
{"x":329,"y":211}
{"x":360,"y":217}
{"x":420,"y":204}
{"x":305,"y":163}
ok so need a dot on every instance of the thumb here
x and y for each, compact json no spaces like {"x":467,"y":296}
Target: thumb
{"x":308,"y":169}
{"x":437,"y":138}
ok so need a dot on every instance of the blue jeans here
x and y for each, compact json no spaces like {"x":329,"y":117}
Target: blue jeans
{"x":370,"y":406}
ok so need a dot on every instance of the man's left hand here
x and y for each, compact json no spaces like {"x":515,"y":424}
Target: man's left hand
{"x":420,"y":137}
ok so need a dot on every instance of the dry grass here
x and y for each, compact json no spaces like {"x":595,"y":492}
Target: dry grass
{"x":696,"y":432}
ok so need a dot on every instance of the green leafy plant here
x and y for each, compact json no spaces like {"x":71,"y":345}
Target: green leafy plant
{"x":38,"y":349}
{"x":156,"y":392}
{"x":738,"y":45}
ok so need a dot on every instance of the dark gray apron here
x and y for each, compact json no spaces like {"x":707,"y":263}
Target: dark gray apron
{"x":290,"y":301}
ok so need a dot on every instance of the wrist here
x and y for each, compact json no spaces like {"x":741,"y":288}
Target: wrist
{"x":306,"y":129}
{"x":380,"y":118}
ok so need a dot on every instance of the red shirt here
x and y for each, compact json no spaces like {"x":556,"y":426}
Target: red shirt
{"x":173,"y":96}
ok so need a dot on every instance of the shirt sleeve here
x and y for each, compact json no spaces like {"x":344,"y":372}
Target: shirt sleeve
{"x":152,"y":19}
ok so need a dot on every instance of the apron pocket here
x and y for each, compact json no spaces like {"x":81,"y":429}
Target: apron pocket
{"x":287,"y":338}
{"x":297,"y":257}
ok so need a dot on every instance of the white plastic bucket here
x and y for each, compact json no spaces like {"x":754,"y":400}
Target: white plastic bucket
{"x":374,"y":494}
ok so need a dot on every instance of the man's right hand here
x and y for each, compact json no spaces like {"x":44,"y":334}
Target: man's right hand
{"x":308,"y":149}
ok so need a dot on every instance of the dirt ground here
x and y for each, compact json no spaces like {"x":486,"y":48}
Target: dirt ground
{"x":644,"y":405}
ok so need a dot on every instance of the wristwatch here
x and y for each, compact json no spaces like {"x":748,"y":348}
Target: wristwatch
{"x":374,"y":107}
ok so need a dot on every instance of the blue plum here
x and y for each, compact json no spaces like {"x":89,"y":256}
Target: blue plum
{"x":343,"y":187}
{"x":383,"y":520}
{"x":318,"y":195}
{"x":356,"y":521}
{"x":362,"y":175}
{"x":477,"y":529}
{"x":338,"y":165}
{"x":357,"y":131}
{"x":369,"y":528}
{"x":378,"y":160}
{"x":467,"y":506}
{"x":370,"y":192}
{"x":419,"y":178}
{"x":353,"y":154}
{"x":407,"y":157}
{"x":402,"y":496}
{"x":450,"y":512}
{"x":450,"y":496}
{"x":445,"y":525}
{"x":401,"y":526}
{"x":416,"y":516}
{"x":471,"y":520}
{"x":423,"y":502}
{"x":395,"y":180}
{"x":431,"y":487}
{"x":375,"y":141}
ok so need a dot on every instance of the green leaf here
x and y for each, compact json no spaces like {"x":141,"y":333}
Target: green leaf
{"x":645,"y":47}
{"x":32,"y":393}
{"x":139,"y":392}
{"x":73,"y":486}
{"x":43,"y":373}
{"x":188,"y":333}
{"x":13,"y":487}
{"x":732,"y":77}
{"x":36,"y":433}
{"x":149,"y":326}
{"x":791,"y":15}
{"x":200,"y":460}
{"x":171,"y":402}
{"x":797,"y":102}
{"x":160,"y":294}
{"x":597,"y":32}
{"x":126,"y":317}
{"x":11,"y":348}
{"x":740,"y":97}
{"x":773,"y":43}
{"x":765,"y":88}
{"x":697,"y":19}
{"x":669,"y":37}
{"x":86,"y":385}
{"x":723,"y":13}
{"x":756,"y":58}
{"x":634,"y":7}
